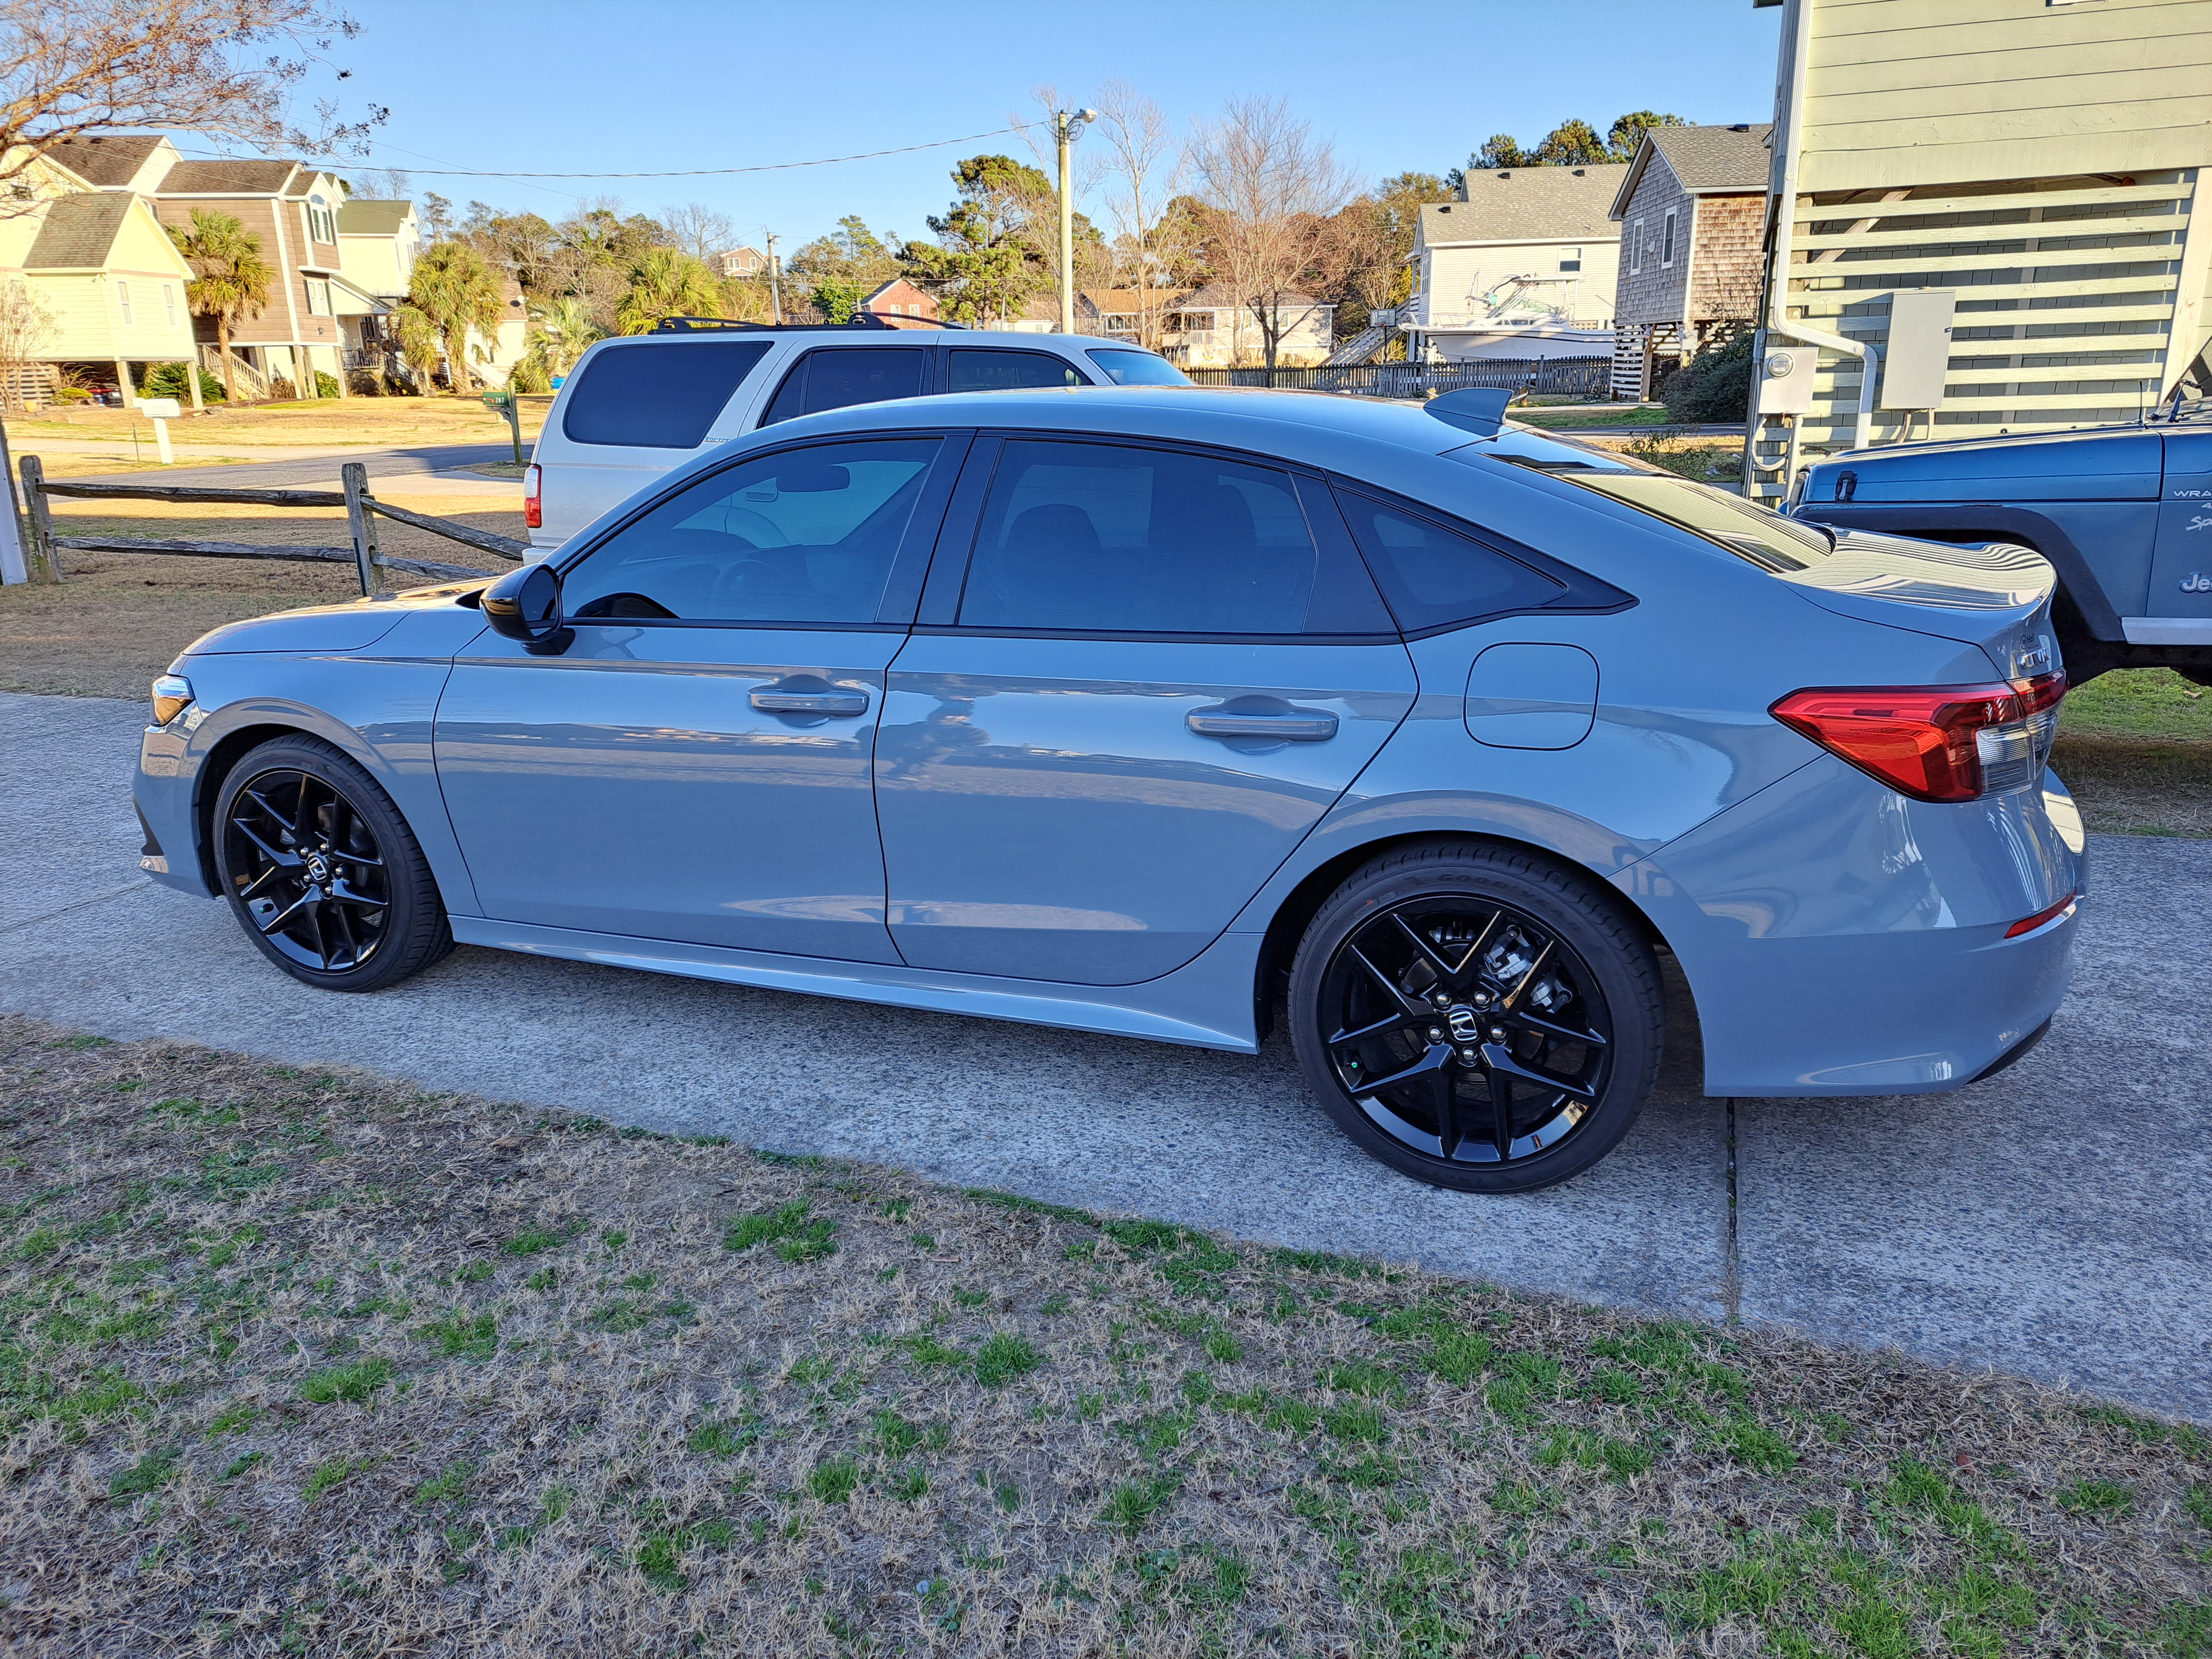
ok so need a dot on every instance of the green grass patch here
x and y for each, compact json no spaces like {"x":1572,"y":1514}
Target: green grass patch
{"x":354,"y":1382}
{"x":796,"y":1235}
{"x":463,"y":1335}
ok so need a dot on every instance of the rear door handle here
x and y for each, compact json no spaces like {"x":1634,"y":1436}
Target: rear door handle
{"x":1298,"y":725}
{"x":808,"y":694}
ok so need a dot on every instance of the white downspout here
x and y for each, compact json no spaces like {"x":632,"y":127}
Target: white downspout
{"x":1797,"y":19}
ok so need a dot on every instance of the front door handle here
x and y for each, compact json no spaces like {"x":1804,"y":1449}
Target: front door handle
{"x":808,"y":694}
{"x":1291,"y":726}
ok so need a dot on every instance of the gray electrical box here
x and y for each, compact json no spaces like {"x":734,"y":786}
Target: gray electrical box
{"x":1782,"y":379}
{"x":1920,"y":351}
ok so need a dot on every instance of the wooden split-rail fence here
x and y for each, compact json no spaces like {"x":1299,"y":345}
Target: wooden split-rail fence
{"x":362,"y":511}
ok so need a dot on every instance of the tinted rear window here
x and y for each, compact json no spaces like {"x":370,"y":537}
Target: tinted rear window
{"x":979,"y":369}
{"x":657,"y":397}
{"x":1127,"y":368}
{"x":1757,"y":534}
{"x":837,"y":377}
{"x":1435,"y":577}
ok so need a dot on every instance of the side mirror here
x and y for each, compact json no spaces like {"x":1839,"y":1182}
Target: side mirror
{"x":525,"y":604}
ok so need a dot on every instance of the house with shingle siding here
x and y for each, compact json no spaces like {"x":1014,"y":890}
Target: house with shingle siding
{"x":1691,"y":211}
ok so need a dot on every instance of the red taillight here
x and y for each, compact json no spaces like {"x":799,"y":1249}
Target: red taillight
{"x":1941,"y":743}
{"x":533,"y":511}
{"x":2029,"y":924}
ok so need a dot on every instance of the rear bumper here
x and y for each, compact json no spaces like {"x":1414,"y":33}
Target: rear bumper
{"x":1839,"y":939}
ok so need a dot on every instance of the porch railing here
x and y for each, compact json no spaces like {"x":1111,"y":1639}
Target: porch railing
{"x":362,"y":511}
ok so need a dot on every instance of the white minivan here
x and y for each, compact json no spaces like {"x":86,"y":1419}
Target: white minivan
{"x":638,"y":407}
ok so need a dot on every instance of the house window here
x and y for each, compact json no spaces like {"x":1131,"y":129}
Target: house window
{"x":123,"y":301}
{"x":320,"y":224}
{"x":1571,"y":259}
{"x":1666,"y":240}
{"x":1636,"y":247}
{"x":318,"y":299}
{"x":169,"y":303}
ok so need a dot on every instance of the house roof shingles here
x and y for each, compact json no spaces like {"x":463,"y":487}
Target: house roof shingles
{"x":1704,"y":161}
{"x":1716,"y":158}
{"x":79,"y":231}
{"x":246,"y":178}
{"x":104,"y":162}
{"x":1528,"y":204}
{"x":371,"y":218}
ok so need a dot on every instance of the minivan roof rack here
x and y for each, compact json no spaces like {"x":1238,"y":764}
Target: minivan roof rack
{"x":861,"y":319}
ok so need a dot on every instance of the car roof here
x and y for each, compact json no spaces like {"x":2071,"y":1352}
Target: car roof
{"x":1387,"y":443}
{"x":811,"y":337}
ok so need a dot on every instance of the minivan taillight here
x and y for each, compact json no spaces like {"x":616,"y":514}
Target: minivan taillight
{"x":1940,"y":742}
{"x":533,"y":510}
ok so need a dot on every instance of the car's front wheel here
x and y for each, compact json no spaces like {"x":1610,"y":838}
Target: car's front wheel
{"x":322,"y":872}
{"x":1477,"y":1017}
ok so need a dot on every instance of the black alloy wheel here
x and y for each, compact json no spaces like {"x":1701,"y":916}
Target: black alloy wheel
{"x":1476,"y":1017}
{"x":322,"y":870}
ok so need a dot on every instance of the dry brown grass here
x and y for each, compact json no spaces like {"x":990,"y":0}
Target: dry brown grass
{"x":390,"y":421}
{"x":321,"y":1363}
{"x":119,"y":619}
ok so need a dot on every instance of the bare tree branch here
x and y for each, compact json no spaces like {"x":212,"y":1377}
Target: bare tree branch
{"x":1272,"y":188}
{"x":230,"y":68}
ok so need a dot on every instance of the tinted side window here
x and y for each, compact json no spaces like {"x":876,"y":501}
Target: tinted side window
{"x":806,"y":535}
{"x":838,"y":377}
{"x":1433,"y":576}
{"x":975,"y":369}
{"x":1101,"y":538}
{"x":657,"y":397}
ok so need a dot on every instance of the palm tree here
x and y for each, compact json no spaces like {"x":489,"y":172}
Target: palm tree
{"x":562,"y":329}
{"x":454,"y":288}
{"x":230,"y":279}
{"x":418,"y":344}
{"x":667,"y":281}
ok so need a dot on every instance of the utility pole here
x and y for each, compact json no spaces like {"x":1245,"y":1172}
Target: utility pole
{"x":775,"y":288}
{"x":1067,"y":127}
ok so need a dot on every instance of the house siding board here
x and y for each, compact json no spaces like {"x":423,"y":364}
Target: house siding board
{"x":1654,"y":293}
{"x":1952,"y":89}
{"x":2046,"y":163}
{"x":278,"y":323}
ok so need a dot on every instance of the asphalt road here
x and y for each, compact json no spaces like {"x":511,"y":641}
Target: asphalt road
{"x":2051,"y":1222}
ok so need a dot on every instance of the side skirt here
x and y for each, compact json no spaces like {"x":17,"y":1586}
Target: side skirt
{"x":1205,"y":1004}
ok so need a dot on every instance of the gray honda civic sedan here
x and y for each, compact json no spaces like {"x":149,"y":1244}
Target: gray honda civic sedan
{"x":1169,"y":712}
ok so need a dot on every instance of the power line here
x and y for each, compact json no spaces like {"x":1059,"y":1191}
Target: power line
{"x":711,"y":172}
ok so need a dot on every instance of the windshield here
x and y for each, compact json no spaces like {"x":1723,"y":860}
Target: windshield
{"x":1130,"y":368}
{"x":1750,"y":532}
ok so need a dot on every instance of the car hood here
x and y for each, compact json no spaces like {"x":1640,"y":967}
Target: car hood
{"x":1994,"y":595}
{"x":324,"y":628}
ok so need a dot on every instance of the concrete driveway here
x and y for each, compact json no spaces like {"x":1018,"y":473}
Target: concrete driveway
{"x":2051,"y":1222}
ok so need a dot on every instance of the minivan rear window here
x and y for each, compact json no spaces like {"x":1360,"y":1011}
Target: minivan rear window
{"x":657,"y":396}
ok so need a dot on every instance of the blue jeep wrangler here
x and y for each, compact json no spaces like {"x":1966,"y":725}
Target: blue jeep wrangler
{"x":2123,"y":513}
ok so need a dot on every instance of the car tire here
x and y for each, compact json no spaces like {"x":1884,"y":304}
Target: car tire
{"x":321,"y":870}
{"x":1455,"y":997}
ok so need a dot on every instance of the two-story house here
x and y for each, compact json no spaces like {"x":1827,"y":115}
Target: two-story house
{"x":91,"y":263}
{"x":1691,"y":211}
{"x":741,"y":262}
{"x":290,"y":206}
{"x":378,"y":240}
{"x":2038,"y":172}
{"x":1522,"y":265}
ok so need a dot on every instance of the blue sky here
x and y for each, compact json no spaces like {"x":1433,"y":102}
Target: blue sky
{"x":558,"y":85}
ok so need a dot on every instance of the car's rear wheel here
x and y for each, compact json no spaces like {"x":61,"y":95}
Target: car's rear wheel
{"x":1477,"y":1017}
{"x":322,"y":872}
